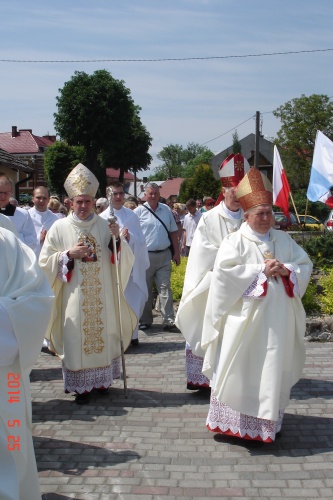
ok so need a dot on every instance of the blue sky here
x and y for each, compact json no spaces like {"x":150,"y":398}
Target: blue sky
{"x":182,"y":101}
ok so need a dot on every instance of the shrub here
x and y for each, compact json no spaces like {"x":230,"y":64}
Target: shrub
{"x":320,"y":249}
{"x":326,"y":298}
{"x":310,"y":299}
{"x":177,"y":278}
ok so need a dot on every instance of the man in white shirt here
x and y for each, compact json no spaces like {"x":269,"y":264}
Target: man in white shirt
{"x":41,"y":216}
{"x":19,"y":216}
{"x":191,"y":220}
{"x":150,"y":214}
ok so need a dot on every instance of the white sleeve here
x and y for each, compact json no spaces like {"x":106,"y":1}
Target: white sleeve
{"x":8,"y":344}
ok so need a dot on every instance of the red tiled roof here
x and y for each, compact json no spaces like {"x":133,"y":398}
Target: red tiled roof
{"x":24,"y":142}
{"x":171,"y":187}
{"x":114,"y":174}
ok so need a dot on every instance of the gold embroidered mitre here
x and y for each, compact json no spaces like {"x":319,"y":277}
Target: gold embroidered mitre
{"x":254,"y":189}
{"x":81,"y":181}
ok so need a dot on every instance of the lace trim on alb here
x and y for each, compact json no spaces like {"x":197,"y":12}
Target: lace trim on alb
{"x":91,"y":378}
{"x":194,"y":369}
{"x":293,"y":278}
{"x":62,"y":266}
{"x":224,"y":420}
{"x":256,"y":289}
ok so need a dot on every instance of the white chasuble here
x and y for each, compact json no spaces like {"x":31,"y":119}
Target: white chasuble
{"x":85,"y":325}
{"x":212,"y":228}
{"x":254,"y":342}
{"x":25,"y":305}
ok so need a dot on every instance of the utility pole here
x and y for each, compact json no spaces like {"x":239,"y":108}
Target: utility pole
{"x":256,"y":151}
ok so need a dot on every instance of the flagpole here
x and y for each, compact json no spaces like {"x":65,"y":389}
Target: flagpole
{"x":292,"y":200}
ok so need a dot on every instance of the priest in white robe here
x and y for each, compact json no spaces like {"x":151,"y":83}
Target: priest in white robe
{"x":254,"y":326}
{"x":213,"y":227}
{"x":90,"y":310}
{"x":136,"y":292}
{"x":25,"y":305}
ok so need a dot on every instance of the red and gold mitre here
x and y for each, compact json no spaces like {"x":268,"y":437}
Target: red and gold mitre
{"x":233,"y":169}
{"x":254,"y":189}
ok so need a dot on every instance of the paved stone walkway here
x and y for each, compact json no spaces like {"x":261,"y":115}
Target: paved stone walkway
{"x":154,"y":444}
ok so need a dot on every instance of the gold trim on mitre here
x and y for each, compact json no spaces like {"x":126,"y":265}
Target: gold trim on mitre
{"x":254,"y":189}
{"x":81,"y":181}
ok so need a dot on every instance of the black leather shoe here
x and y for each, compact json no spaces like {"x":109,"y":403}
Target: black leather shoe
{"x":82,"y":399}
{"x":47,"y":350}
{"x":171,"y":327}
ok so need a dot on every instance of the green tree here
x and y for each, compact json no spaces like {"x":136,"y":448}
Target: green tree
{"x":172,"y":156}
{"x":203,"y":183}
{"x":59,"y":160}
{"x":301,"y":118}
{"x":97,"y":112}
{"x":179,"y":161}
{"x":203,"y":157}
{"x":236,"y":145}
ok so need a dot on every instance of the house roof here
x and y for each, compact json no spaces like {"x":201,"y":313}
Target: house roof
{"x":10,"y":161}
{"x":24,"y":141}
{"x":266,"y":150}
{"x":114,"y":174}
{"x":171,"y":187}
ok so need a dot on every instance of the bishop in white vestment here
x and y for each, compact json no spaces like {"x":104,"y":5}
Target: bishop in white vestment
{"x":253,"y":334}
{"x":212,"y":228}
{"x":78,"y":259}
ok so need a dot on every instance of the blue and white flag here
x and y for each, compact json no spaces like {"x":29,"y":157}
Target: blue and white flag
{"x":321,"y":178}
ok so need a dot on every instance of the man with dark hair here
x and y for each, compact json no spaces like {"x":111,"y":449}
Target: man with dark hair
{"x":159,"y":227}
{"x":191,"y":220}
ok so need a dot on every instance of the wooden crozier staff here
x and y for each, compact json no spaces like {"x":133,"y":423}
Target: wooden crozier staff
{"x":112,"y":219}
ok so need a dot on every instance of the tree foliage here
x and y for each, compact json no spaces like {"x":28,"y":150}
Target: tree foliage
{"x":179,"y":161}
{"x":301,"y":118}
{"x":59,"y":160}
{"x":97,"y":112}
{"x":203,"y":183}
{"x":236,"y":145}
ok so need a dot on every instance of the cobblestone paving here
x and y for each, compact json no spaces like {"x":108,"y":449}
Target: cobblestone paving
{"x":154,"y":444}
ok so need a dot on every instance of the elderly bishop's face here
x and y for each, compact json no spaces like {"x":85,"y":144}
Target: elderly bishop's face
{"x":83,"y":206}
{"x":259,"y":218}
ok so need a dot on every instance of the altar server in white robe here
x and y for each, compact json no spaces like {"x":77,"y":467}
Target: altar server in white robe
{"x":78,"y":259}
{"x":25,"y":306}
{"x":253,"y":334}
{"x":41,"y":216}
{"x":212,"y":228}
{"x":136,"y":292}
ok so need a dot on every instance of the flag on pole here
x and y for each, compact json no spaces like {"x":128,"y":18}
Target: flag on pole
{"x":281,"y":187}
{"x":321,"y":178}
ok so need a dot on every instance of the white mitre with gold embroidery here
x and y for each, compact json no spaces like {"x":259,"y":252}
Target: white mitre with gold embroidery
{"x":81,"y":181}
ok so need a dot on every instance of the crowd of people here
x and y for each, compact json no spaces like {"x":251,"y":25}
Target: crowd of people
{"x":91,"y":267}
